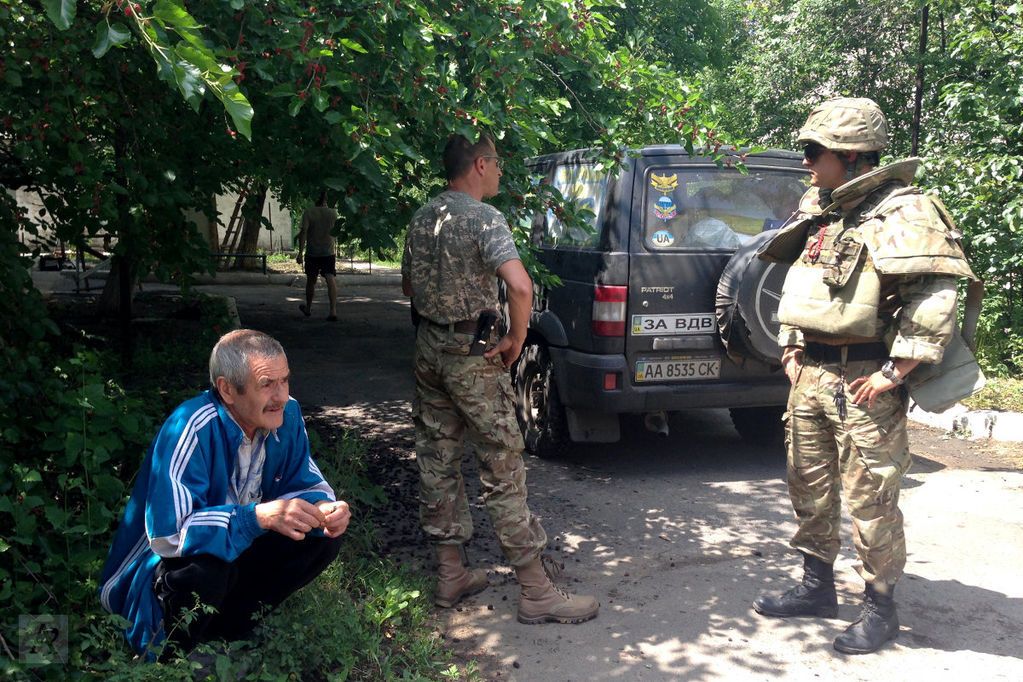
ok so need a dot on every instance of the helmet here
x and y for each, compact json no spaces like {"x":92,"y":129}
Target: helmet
{"x":846,"y":124}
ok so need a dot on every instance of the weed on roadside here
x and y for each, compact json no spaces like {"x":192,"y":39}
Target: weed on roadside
{"x":1003,"y":394}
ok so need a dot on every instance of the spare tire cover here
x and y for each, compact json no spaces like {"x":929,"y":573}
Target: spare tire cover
{"x":747,"y":303}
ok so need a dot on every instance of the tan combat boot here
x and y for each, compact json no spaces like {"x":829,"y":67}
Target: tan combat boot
{"x":542,"y":602}
{"x":453,"y":581}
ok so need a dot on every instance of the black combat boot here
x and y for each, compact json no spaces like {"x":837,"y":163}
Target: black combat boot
{"x":878,"y":623}
{"x":815,"y":596}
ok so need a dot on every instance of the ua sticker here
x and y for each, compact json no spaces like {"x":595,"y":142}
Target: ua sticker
{"x":664,"y":209}
{"x":664,"y":183}
{"x":663,"y":238}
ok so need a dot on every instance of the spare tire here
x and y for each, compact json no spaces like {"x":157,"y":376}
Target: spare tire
{"x":747,"y":303}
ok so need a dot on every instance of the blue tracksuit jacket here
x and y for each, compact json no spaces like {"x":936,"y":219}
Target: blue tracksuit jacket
{"x":179,"y":504}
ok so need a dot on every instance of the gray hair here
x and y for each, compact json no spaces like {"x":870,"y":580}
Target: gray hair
{"x":230,"y":357}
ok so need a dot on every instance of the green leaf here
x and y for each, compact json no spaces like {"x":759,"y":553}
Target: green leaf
{"x":12,"y":77}
{"x":102,"y":43}
{"x":335,"y":183}
{"x":353,"y":46}
{"x":295,"y":106}
{"x":237,"y":4}
{"x":61,"y":12}
{"x":119,"y":34}
{"x":238,"y":108}
{"x":320,"y":101}
{"x":174,"y":14}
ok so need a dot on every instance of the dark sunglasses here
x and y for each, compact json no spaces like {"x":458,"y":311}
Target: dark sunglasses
{"x":813,"y":151}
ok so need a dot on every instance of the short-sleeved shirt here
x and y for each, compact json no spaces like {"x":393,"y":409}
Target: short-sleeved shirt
{"x":453,"y":249}
{"x":317,"y":223}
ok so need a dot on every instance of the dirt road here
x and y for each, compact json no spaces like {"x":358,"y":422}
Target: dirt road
{"x":675,"y":536}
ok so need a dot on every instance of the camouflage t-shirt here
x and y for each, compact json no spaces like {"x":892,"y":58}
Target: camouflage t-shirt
{"x":453,"y":249}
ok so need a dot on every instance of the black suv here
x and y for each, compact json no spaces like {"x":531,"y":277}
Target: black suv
{"x":663,"y":305}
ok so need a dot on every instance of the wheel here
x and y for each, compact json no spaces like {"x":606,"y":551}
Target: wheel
{"x":759,"y":425}
{"x":539,"y":410}
{"x":747,"y":303}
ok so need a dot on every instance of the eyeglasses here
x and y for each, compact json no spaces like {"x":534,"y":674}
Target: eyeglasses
{"x":813,"y":151}
{"x":497,"y":159}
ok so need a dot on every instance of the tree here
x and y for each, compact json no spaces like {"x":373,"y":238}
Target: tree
{"x":355,"y":96}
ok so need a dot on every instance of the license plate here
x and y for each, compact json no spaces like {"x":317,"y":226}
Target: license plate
{"x":671,"y":325}
{"x":678,"y":369}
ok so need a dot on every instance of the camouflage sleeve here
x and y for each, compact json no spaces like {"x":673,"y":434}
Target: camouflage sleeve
{"x":495,"y":241}
{"x":790,"y":336}
{"x":927,"y":320}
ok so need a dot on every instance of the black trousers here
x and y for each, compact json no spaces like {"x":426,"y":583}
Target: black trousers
{"x":272,"y":568}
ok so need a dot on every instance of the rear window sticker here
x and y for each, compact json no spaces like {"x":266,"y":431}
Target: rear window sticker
{"x":662,"y":238}
{"x":665,"y":209}
{"x":664,"y":183}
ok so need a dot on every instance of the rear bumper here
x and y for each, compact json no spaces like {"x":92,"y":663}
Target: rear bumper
{"x":580,"y":380}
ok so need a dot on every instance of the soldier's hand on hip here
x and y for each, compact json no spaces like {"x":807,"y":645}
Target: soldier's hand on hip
{"x":791,"y":361}
{"x":509,"y":348}
{"x":868,"y":388}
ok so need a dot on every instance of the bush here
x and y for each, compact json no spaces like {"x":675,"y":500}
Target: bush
{"x":76,"y":424}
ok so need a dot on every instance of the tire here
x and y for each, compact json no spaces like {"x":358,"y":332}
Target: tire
{"x":748,"y":293}
{"x":759,"y":425}
{"x":539,"y":410}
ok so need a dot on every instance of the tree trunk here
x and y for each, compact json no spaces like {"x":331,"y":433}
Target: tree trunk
{"x":918,"y":99}
{"x":252,"y":213}
{"x":119,"y":288}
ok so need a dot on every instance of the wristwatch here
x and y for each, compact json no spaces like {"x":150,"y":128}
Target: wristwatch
{"x":888,"y":372}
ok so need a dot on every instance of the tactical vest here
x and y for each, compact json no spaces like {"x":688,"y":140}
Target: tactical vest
{"x":834,"y":283}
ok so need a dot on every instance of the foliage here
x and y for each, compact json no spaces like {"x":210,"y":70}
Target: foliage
{"x":1005,"y":394}
{"x":978,"y":164}
{"x":71,"y":440}
{"x":795,"y":53}
{"x":359,"y":97}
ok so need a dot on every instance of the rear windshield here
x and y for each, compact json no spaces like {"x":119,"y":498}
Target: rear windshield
{"x":716,"y":208}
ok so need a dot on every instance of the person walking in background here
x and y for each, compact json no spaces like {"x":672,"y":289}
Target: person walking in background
{"x":316,"y":240}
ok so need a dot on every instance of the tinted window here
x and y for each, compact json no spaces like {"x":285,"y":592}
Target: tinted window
{"x":714,"y":208}
{"x":586,"y":187}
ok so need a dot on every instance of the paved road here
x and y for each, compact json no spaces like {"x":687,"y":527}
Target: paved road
{"x":676,"y":536}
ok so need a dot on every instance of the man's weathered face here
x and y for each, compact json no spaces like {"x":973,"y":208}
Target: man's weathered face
{"x":491,"y":174}
{"x":827,"y":169}
{"x":261,"y":404}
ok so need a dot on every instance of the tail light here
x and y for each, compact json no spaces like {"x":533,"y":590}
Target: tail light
{"x":609,"y":310}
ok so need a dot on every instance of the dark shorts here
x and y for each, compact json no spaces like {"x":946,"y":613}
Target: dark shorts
{"x":320,"y":265}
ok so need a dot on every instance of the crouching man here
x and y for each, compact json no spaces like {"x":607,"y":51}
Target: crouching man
{"x":228,"y":509}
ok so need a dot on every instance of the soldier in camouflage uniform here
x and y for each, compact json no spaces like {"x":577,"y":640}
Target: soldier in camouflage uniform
{"x":870,"y":294}
{"x":454,"y":248}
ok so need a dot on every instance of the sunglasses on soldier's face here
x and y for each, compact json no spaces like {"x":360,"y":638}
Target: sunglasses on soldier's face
{"x":813,"y":151}
{"x":497,"y":159}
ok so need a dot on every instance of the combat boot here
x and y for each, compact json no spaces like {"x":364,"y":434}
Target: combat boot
{"x":540,"y":601}
{"x":878,"y":623}
{"x":814,"y":596}
{"x":453,"y":581}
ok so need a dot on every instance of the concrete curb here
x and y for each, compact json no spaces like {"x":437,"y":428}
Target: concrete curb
{"x":290,"y":280}
{"x":973,"y":424}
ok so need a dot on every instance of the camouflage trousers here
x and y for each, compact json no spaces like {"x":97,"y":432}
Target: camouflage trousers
{"x":458,"y":396}
{"x":865,"y":454}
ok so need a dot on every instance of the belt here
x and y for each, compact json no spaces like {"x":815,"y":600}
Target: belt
{"x":462,"y":327}
{"x":822,"y":352}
